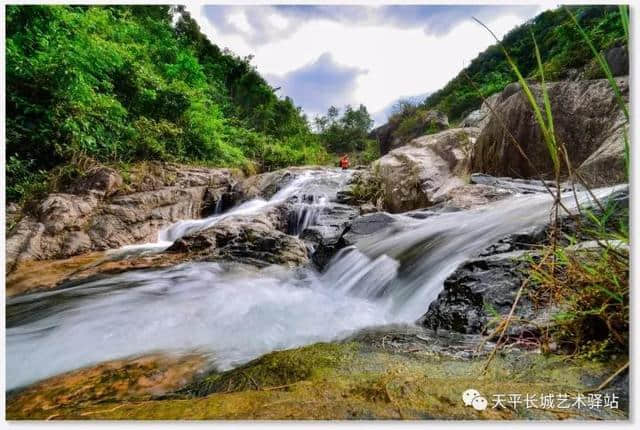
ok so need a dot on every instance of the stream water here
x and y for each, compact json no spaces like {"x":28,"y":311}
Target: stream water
{"x":235,"y":313}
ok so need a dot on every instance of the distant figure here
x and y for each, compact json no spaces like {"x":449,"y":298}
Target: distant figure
{"x":344,"y":162}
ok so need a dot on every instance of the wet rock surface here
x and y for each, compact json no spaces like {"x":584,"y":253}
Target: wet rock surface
{"x":326,"y":236}
{"x":391,"y":372}
{"x":366,"y":225}
{"x":251,"y":240}
{"x":479,"y":291}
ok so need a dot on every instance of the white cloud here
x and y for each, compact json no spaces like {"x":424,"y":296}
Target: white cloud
{"x":240,"y":21}
{"x":277,"y":21}
{"x":398,"y":61}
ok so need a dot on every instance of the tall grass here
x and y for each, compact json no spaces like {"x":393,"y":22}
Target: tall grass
{"x":590,"y":286}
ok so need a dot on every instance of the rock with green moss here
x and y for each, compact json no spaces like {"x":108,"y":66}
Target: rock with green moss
{"x":397,"y":372}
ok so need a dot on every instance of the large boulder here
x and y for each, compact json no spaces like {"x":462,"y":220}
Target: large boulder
{"x":140,"y":216}
{"x":606,"y":166}
{"x":618,"y":60}
{"x":250,"y":240}
{"x":587,"y":120}
{"x":415,"y":175}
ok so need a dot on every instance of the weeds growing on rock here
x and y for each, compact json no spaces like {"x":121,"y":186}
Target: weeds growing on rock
{"x":367,"y":188}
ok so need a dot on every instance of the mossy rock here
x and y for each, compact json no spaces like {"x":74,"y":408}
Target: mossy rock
{"x":275,"y":369}
{"x":377,"y":377}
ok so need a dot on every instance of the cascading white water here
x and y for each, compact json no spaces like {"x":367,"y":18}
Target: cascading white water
{"x":236,"y":313}
{"x":304,"y":212}
{"x":311,"y":190}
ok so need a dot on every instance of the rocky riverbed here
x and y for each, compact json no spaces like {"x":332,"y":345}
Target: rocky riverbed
{"x":309,"y":293}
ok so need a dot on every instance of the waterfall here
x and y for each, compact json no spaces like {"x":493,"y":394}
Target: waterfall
{"x":235,"y":312}
{"x":300,"y":189}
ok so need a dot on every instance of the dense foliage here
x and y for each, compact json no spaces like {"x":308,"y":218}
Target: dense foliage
{"x":561,"y":48}
{"x":127,"y":83}
{"x":348,"y":133}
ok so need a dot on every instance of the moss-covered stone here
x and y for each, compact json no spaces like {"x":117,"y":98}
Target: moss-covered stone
{"x":350,"y":380}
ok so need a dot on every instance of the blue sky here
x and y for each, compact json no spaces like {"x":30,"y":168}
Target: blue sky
{"x":336,"y":55}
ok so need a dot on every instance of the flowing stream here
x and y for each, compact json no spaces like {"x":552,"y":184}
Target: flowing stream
{"x":234,"y":312}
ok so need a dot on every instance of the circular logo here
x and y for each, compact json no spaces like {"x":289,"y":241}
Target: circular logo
{"x":473,"y":398}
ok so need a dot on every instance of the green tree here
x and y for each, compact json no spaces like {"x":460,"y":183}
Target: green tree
{"x":346,"y":133}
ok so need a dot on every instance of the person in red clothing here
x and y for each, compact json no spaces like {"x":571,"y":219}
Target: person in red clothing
{"x":344,"y":162}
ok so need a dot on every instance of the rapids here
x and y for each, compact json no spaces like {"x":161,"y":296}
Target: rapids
{"x":234,"y":313}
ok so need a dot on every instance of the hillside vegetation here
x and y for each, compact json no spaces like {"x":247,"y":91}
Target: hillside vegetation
{"x":561,"y":46}
{"x":125,"y":83}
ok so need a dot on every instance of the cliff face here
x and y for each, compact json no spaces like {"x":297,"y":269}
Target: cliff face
{"x":587,"y":121}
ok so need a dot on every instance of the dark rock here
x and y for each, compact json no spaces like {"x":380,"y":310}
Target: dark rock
{"x":478,"y":290}
{"x":345,"y":197}
{"x":383,"y":135}
{"x":217,"y":201}
{"x":366,"y":225}
{"x":618,"y":60}
{"x":326,"y":235}
{"x":252,"y":241}
{"x":509,"y":90}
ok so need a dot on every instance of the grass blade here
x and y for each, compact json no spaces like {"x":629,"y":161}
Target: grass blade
{"x":552,"y":144}
{"x":624,"y":17}
{"x":627,"y":153}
